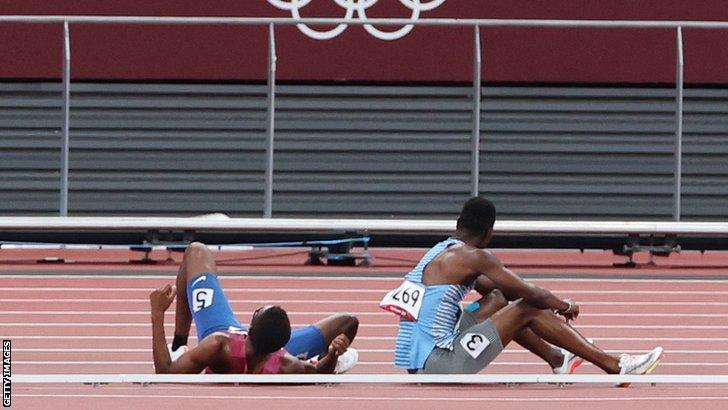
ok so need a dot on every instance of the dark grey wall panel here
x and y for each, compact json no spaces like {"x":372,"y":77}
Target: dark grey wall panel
{"x":362,"y":151}
{"x":371,"y":151}
{"x":30,"y":121}
{"x":584,"y":153}
{"x":151,"y":149}
{"x":705,"y":155}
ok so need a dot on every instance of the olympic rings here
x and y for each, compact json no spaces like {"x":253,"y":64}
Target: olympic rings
{"x":359,"y":8}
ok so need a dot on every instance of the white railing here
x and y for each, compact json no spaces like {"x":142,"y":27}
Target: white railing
{"x":364,"y":226}
{"x":472,"y":379}
{"x":477,"y":66}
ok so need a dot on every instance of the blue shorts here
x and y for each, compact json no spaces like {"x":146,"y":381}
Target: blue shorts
{"x":209,"y":307}
{"x":306,"y":342}
{"x":211,"y":312}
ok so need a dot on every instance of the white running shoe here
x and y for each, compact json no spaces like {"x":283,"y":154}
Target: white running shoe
{"x":639,"y":364}
{"x":346,"y":361}
{"x":175,"y":354}
{"x":571,"y":362}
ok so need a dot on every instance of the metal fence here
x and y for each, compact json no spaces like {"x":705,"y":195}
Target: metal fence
{"x":271,"y":23}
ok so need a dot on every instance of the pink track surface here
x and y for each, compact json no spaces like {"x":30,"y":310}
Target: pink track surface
{"x":63,"y":323}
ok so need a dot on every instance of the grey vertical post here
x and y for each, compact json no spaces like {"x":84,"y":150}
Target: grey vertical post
{"x":475,"y":159}
{"x":268,"y":209}
{"x":678,"y":127}
{"x":66,"y":118}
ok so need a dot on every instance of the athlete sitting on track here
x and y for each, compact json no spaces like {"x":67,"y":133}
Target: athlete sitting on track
{"x":225,"y":346}
{"x":437,"y":336}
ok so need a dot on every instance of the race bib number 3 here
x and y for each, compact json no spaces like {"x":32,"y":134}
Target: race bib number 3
{"x":474,"y":344}
{"x":405,"y":301}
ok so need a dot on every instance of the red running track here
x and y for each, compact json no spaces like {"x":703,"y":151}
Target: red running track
{"x":100,"y":324}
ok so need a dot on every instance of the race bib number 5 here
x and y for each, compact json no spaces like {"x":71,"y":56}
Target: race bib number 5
{"x":202,"y":298}
{"x":405,"y":301}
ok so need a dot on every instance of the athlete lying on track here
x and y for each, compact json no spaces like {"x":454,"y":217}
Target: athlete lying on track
{"x":436,"y":336}
{"x":225,"y":346}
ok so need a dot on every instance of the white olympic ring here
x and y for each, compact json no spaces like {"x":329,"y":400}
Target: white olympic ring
{"x":359,"y":8}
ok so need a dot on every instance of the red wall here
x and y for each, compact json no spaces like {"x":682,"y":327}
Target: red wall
{"x":426,"y":54}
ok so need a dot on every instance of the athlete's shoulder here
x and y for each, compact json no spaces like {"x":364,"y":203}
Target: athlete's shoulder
{"x":479,"y":258}
{"x":217,"y":343}
{"x":473,"y":252}
{"x":218,"y":337}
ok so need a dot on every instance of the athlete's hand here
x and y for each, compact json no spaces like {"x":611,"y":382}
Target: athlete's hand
{"x":161,"y":298}
{"x":571,"y":313}
{"x":339,"y":345}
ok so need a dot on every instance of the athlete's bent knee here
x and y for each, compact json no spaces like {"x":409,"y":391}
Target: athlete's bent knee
{"x":197,"y":251}
{"x":350,"y":324}
{"x":353,"y":321}
{"x":195,"y":247}
{"x":494,"y":300}
{"x":349,"y":320}
{"x":498,"y":298}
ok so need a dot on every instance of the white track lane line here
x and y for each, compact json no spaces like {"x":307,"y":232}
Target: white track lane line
{"x":359,"y":363}
{"x":344,"y":277}
{"x":352,"y":290}
{"x":149,"y":350}
{"x":374,"y":338}
{"x":361,"y":325}
{"x":380,"y":338}
{"x":223,"y":277}
{"x":306,"y":399}
{"x":382,"y":313}
{"x":184,"y":389}
{"x":368,"y":302}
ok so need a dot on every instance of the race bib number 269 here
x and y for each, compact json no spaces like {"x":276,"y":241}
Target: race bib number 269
{"x":405,"y":301}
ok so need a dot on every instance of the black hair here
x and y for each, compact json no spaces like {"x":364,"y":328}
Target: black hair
{"x":270,"y":330}
{"x":477,"y":216}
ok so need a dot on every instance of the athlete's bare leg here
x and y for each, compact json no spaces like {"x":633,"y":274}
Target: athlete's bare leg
{"x":495,"y":301}
{"x":337,"y":324}
{"x":511,"y":320}
{"x":197,"y":259}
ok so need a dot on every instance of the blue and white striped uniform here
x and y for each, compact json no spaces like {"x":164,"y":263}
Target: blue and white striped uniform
{"x":436,"y":325}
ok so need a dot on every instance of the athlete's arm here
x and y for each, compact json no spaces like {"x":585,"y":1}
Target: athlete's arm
{"x":294,"y":365}
{"x":160,"y":300}
{"x":338,"y":346}
{"x":193,"y":361}
{"x":327,"y":364}
{"x":514,"y":287}
{"x":483,"y":285}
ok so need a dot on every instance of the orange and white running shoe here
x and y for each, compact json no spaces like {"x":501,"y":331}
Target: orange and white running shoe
{"x":571,"y":363}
